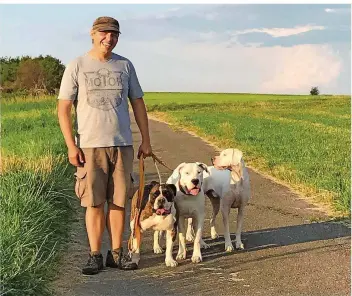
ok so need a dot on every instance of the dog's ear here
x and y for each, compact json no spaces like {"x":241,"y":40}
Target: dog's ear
{"x":238,"y":170}
{"x":172,"y":187}
{"x":203,"y":166}
{"x":176,"y":172}
{"x":153,"y":183}
{"x":179,"y":167}
{"x":236,"y":156}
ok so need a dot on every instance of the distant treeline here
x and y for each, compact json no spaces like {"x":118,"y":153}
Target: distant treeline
{"x":39,"y":75}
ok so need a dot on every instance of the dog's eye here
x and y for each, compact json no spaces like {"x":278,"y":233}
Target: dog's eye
{"x":168,"y":196}
{"x":187,"y":173}
{"x":156,"y":193}
{"x":198,"y":172}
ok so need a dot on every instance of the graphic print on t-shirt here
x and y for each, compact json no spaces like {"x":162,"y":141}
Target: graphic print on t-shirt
{"x":104,"y":88}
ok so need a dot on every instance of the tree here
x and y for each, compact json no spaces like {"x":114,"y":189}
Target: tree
{"x":53,"y":70}
{"x":35,"y":75}
{"x":314,"y":91}
{"x":30,"y":75}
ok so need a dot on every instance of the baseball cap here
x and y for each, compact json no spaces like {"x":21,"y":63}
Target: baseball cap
{"x":106,"y":23}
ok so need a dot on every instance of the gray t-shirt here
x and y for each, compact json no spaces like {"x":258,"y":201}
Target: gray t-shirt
{"x":100,"y":91}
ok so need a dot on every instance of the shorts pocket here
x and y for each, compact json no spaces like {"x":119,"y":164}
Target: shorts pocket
{"x":81,"y":181}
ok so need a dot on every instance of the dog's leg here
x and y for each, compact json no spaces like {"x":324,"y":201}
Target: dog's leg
{"x":240,"y":216}
{"x":190,"y":231}
{"x":215,"y":202}
{"x":225,"y":210}
{"x":182,"y":239}
{"x":156,"y":246}
{"x":169,"y":261}
{"x":198,"y":225}
{"x":135,"y":255}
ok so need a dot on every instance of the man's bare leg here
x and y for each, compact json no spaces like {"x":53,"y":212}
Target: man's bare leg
{"x":95,"y":224}
{"x":115,"y":220}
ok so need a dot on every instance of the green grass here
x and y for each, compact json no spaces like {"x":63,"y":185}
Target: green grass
{"x":36,"y":196}
{"x":301,"y":140}
{"x":206,"y":98}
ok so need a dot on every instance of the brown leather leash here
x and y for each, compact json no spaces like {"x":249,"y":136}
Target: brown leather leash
{"x":137,"y":227}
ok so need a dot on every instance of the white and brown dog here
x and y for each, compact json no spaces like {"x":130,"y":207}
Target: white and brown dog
{"x":190,"y":203}
{"x":158,"y":212}
{"x":228,"y":186}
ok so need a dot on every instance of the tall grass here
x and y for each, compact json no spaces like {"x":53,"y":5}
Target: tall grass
{"x":303,"y":142}
{"x":36,"y":196}
{"x":34,"y":222}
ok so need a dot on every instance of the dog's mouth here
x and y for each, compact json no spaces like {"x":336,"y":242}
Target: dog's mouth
{"x":193,"y":191}
{"x":162,"y":212}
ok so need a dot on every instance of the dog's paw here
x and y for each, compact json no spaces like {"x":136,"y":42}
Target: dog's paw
{"x":181,"y":256}
{"x":158,"y":250}
{"x":214,"y":234}
{"x":229,"y":248}
{"x":196,"y":258}
{"x":171,"y":262}
{"x":204,"y":245}
{"x":190,"y":237}
{"x":239,"y":246}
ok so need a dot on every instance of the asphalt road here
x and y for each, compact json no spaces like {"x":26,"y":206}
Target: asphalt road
{"x":285,"y":254}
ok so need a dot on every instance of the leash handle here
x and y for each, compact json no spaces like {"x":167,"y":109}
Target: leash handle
{"x":155,"y":158}
{"x":137,"y":229}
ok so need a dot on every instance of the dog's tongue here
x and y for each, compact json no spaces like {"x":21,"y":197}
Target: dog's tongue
{"x":194,"y":191}
{"x":161,"y":211}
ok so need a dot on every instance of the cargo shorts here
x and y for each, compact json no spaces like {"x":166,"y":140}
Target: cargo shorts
{"x":106,"y":176}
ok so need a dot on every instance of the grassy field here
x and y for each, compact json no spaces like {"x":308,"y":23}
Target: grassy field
{"x":303,"y":141}
{"x":35,"y":200}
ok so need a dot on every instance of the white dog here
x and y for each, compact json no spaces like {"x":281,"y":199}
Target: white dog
{"x":228,"y":186}
{"x":190,"y":203}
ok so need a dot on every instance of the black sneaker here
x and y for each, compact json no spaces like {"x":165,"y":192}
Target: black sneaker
{"x":116,"y":259}
{"x":127,"y":264}
{"x":94,"y":264}
{"x":113,"y":258}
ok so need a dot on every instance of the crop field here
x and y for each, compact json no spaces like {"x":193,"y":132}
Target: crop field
{"x":36,"y":202}
{"x":303,"y":141}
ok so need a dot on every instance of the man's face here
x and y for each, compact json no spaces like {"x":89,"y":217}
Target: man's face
{"x":105,"y":41}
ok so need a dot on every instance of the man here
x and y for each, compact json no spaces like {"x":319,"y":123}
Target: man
{"x":98,"y":85}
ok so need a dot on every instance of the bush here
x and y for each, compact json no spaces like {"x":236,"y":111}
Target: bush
{"x":314,"y":91}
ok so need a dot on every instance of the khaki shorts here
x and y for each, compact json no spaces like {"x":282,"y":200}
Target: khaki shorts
{"x":105,"y":176}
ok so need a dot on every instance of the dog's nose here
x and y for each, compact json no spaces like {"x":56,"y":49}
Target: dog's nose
{"x":195,"y":181}
{"x":161,"y":202}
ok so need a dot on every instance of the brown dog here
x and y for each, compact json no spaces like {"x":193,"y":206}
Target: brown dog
{"x":158,"y":212}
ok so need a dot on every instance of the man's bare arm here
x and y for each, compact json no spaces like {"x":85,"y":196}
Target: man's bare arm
{"x":75,"y":155}
{"x":140,"y":114}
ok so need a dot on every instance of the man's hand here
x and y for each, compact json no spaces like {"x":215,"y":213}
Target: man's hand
{"x":146,"y":149}
{"x":76,"y":156}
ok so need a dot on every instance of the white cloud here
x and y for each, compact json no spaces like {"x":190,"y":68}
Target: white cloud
{"x":337,"y":10}
{"x":207,"y":35}
{"x":174,"y":9}
{"x":207,"y":67}
{"x":300,"y":67}
{"x":211,"y":16}
{"x":281,"y":32}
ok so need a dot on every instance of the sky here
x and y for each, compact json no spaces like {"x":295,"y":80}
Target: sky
{"x":228,"y":48}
